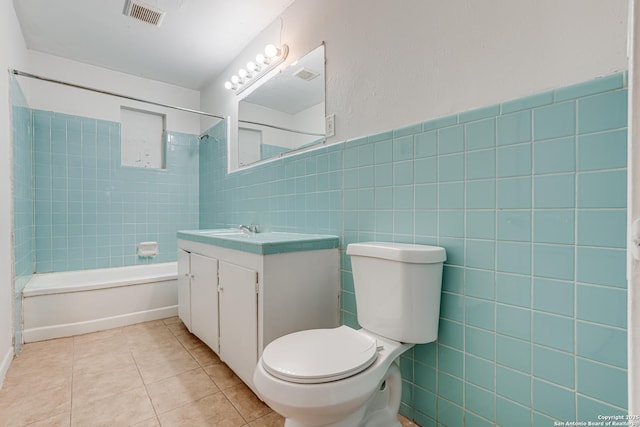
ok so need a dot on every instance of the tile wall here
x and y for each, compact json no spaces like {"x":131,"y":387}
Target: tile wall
{"x":301,"y":193}
{"x":267,"y":151}
{"x":90,"y":212}
{"x":529,"y":199}
{"x":23,"y":244}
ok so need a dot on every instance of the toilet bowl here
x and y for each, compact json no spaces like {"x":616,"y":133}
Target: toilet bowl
{"x":344,"y":377}
{"x":318,"y":391}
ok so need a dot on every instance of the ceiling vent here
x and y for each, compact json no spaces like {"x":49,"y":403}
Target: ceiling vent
{"x":143,"y":12}
{"x":305,"y":74}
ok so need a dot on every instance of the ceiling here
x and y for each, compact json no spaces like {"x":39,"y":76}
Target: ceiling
{"x":194,"y":44}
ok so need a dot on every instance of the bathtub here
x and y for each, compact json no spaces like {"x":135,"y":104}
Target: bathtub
{"x":77,"y":302}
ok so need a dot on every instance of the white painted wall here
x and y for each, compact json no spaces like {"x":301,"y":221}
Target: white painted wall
{"x":53,"y":97}
{"x":391,"y":64}
{"x":12,"y":53}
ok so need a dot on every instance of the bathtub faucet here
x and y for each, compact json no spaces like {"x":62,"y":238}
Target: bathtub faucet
{"x":250,"y":229}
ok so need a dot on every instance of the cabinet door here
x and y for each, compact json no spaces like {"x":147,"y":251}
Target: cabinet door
{"x":239,"y":319}
{"x":204,"y":300}
{"x":184,"y":292}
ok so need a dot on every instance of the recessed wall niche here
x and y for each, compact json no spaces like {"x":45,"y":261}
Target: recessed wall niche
{"x":143,"y":142}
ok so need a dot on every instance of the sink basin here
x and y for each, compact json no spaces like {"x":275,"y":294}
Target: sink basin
{"x":219,"y":232}
{"x":225,"y":233}
{"x":260,"y":243}
{"x":235,"y":235}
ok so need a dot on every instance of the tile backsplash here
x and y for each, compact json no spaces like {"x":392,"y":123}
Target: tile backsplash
{"x":529,"y":199}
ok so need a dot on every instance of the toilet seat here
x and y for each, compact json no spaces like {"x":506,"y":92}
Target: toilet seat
{"x":319,"y":355}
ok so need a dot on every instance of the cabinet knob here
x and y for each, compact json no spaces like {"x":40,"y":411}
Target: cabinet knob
{"x":186,"y":274}
{"x":193,"y":277}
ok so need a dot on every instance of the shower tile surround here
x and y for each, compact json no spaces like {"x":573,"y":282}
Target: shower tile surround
{"x":24,"y":250}
{"x":90,"y":212}
{"x":76,"y":208}
{"x":529,"y":199}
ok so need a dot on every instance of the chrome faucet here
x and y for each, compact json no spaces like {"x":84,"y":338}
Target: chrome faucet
{"x":250,"y":229}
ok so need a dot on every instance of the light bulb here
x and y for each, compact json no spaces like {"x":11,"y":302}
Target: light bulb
{"x":251,"y":66}
{"x":261,"y":59}
{"x":243,"y":73}
{"x":235,"y":79}
{"x":270,"y":51}
{"x":228,"y":85}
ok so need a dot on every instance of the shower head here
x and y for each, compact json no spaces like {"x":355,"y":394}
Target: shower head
{"x":203,"y":136}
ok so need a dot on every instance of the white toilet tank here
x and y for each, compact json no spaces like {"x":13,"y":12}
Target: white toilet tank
{"x":397,"y":287}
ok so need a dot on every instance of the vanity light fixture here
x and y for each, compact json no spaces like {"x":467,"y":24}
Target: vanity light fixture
{"x":252,"y":67}
{"x":265,"y":62}
{"x":270,"y":51}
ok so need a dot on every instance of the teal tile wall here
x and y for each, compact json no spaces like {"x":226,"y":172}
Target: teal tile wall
{"x":90,"y":212}
{"x":302,"y":194}
{"x":529,"y":199}
{"x":267,"y":151}
{"x":23,"y":222}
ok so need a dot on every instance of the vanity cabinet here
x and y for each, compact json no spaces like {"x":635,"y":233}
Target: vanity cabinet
{"x":238,"y":302}
{"x":184,"y":287}
{"x":238,"y":318}
{"x":198,"y":296}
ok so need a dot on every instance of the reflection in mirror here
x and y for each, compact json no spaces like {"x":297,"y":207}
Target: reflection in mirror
{"x":285,"y":112}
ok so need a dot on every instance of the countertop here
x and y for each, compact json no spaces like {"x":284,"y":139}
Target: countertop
{"x":266,"y":243}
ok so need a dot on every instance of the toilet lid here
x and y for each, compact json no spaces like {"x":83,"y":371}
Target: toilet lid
{"x":319,"y":355}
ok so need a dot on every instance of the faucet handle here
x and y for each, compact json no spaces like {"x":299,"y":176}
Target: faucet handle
{"x":249,"y":229}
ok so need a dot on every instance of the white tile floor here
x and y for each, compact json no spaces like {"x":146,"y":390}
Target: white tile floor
{"x":149,"y":374}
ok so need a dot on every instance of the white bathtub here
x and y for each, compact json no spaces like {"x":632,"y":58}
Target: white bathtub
{"x":77,"y":302}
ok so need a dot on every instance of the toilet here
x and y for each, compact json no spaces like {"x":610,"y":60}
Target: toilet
{"x":344,"y":377}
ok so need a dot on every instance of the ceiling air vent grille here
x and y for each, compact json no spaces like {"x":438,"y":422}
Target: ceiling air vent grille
{"x":306,"y":74}
{"x":143,"y":12}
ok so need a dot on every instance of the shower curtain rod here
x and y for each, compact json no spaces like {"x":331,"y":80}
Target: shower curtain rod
{"x":106,"y":92}
{"x":132,"y":98}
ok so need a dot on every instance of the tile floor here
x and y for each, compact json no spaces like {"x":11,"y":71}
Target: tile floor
{"x":149,"y":374}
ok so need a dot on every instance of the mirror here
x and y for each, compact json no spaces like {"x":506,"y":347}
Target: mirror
{"x":285,"y":113}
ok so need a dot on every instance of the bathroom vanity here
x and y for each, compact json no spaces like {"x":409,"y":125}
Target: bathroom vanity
{"x":237,"y":292}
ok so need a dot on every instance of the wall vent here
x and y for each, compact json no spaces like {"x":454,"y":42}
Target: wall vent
{"x":306,"y":74}
{"x":143,"y":12}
